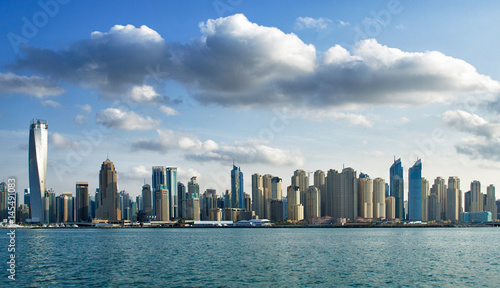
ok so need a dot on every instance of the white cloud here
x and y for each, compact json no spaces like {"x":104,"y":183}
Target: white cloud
{"x":168,"y":111}
{"x":11,"y":83}
{"x":344,"y":23}
{"x":239,"y":63}
{"x":137,"y":172}
{"x":243,"y":152}
{"x":312,"y":23}
{"x":471,"y":123}
{"x":351,"y":119}
{"x":51,"y":103}
{"x":127,"y":120}
{"x":184,"y":175}
{"x":86,"y":108}
{"x":144,"y":94}
{"x":80,"y":119}
{"x":62,"y":142}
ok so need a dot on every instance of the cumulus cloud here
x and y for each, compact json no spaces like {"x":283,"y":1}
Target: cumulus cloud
{"x":471,"y":123}
{"x":51,"y":103}
{"x":62,"y":142}
{"x":168,"y":111}
{"x":144,"y":94}
{"x":312,"y":23}
{"x":485,"y":145}
{"x":80,"y":119}
{"x":39,"y":87}
{"x":136,"y":172}
{"x":127,"y":120}
{"x":209,"y":150}
{"x":86,"y":108}
{"x":236,"y":62}
{"x":111,"y":61}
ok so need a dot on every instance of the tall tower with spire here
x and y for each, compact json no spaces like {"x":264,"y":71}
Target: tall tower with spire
{"x":108,"y":206}
{"x":37,"y":166}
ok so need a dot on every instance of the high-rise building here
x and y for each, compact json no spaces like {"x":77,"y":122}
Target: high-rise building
{"x":65,"y":207}
{"x":434,"y":208}
{"x":182,"y":197}
{"x":313,"y":200}
{"x":491,"y":202}
{"x":37,"y":167}
{"x":439,"y":189}
{"x":147,"y":201}
{"x":108,"y":207}
{"x":348,"y":194}
{"x":453,"y":199}
{"x":424,"y":196}
{"x":4,"y":201}
{"x":295,"y":208}
{"x":467,"y":200}
{"x":379,"y":198}
{"x":276,"y":188}
{"x":162,"y":204}
{"x":258,"y":195}
{"x":365,"y":197}
{"x":167,"y":176}
{"x":301,"y":180}
{"x":390,"y":208}
{"x":193,"y":201}
{"x":397,"y":187}
{"x":332,"y":193}
{"x":476,"y":197}
{"x":415,"y":192}
{"x":82,"y":202}
{"x":320,"y":183}
{"x":237,"y":188}
{"x":277,"y":214}
{"x":208,"y":202}
{"x":267,"y":184}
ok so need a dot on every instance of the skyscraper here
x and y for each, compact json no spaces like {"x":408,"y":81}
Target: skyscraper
{"x":108,"y":207}
{"x":365,"y":197}
{"x":320,"y":183}
{"x":37,"y":166}
{"x":193,"y":201}
{"x":453,"y":199}
{"x":162,"y":204}
{"x":237,"y":188}
{"x":425,"y":195}
{"x":301,"y":180}
{"x":415,"y":192}
{"x":379,"y":198}
{"x":147,"y":200}
{"x":348,"y":194}
{"x":4,"y":201}
{"x":397,"y":187}
{"x":258,"y":195}
{"x":181,"y":190}
{"x":171,"y":174}
{"x":82,"y":202}
{"x":313,"y":200}
{"x":295,"y":209}
{"x":439,"y":189}
{"x":276,"y":188}
{"x":491,"y":202}
{"x":333,"y":194}
{"x":477,"y":202}
{"x":267,"y":185}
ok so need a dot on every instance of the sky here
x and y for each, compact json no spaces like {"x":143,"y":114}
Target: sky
{"x":274,"y":86}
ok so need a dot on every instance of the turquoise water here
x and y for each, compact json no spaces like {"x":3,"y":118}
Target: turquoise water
{"x":418,"y":257}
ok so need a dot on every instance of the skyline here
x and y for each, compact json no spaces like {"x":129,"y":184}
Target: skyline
{"x":275,"y":90}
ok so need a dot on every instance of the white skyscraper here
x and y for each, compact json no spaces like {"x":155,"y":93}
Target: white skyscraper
{"x":37,"y":166}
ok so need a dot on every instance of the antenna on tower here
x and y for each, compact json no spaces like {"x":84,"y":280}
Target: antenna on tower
{"x":107,"y":156}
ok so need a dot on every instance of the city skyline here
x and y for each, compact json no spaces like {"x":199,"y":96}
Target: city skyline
{"x":274,"y":90}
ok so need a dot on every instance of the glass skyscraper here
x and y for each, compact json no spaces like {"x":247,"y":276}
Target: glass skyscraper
{"x":397,"y":187}
{"x":37,"y":167}
{"x":237,"y":188}
{"x":415,"y":192}
{"x":166,"y":176}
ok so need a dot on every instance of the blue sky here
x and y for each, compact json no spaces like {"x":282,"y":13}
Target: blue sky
{"x":275,"y":85}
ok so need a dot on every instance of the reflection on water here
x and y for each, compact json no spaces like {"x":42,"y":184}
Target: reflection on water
{"x":256,"y":257}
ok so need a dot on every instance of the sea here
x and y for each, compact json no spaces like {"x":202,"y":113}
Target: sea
{"x":253,"y":257}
